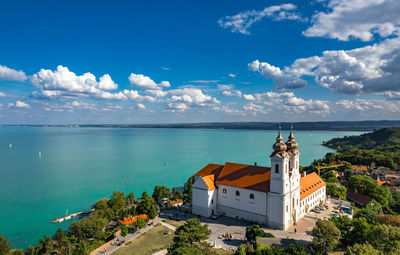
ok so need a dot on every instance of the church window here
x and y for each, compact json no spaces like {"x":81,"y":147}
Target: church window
{"x":224,"y":191}
{"x":297,"y":201}
{"x":297,"y":164}
{"x":290,"y":164}
{"x":237,"y":193}
{"x":287,"y":208}
{"x":276,"y":168}
{"x":212,"y":201}
{"x":286,"y":169}
{"x":251,"y":196}
{"x":292,"y":202}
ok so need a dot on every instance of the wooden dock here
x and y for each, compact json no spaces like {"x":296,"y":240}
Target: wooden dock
{"x":71,"y":215}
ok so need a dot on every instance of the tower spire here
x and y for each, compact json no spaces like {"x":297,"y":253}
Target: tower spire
{"x":279,"y":145}
{"x":291,"y":143}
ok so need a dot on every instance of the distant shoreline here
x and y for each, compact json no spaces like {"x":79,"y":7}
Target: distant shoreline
{"x":367,"y":125}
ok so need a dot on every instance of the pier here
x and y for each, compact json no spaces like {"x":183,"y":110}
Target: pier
{"x":71,"y":215}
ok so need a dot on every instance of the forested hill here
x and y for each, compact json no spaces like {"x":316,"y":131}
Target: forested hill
{"x":379,"y":148}
{"x":385,"y":139}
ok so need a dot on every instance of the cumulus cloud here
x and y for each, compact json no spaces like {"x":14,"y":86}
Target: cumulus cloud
{"x":370,"y":69}
{"x":140,"y":106}
{"x":346,"y":19}
{"x":145,"y":82}
{"x":18,"y":104}
{"x":291,"y":104}
{"x":2,"y":94}
{"x":241,"y":22}
{"x":392,"y":95}
{"x":370,"y":105}
{"x":249,"y":97}
{"x":283,"y":79}
{"x":8,"y":74}
{"x":232,"y":75}
{"x":64,"y":83}
{"x":254,"y":108}
{"x":191,"y":97}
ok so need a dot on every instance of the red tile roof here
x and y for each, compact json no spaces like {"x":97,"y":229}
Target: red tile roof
{"x":209,"y":181}
{"x":209,"y":169}
{"x":133,"y":219}
{"x":309,"y":184}
{"x":360,"y":168}
{"x":245,"y":176}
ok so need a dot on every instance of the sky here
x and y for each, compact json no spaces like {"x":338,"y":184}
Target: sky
{"x":116,"y":62}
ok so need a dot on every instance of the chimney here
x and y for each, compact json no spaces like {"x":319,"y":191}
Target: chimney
{"x":304,"y":174}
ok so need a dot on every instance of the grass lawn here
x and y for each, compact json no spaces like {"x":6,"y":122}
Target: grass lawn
{"x":174,"y":223}
{"x":153,"y":240}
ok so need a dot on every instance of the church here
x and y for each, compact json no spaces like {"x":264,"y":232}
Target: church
{"x":276,"y":196}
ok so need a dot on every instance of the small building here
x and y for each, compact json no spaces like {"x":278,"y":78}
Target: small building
{"x":357,"y":198}
{"x":359,"y":169}
{"x":130,"y":220}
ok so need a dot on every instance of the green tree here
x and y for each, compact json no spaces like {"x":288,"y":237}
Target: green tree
{"x":5,"y":247}
{"x":117,"y":201}
{"x":161,"y":192}
{"x":253,"y":232}
{"x":344,"y":224}
{"x":188,"y":190}
{"x":388,"y":219}
{"x":176,"y":194}
{"x":145,"y":195}
{"x":189,"y":235}
{"x":360,"y":231}
{"x":130,"y":199}
{"x":385,"y":238}
{"x":326,"y":237}
{"x":140,"y":223}
{"x":362,"y":249}
{"x":396,"y":201}
{"x":124,"y":231}
{"x":146,"y":206}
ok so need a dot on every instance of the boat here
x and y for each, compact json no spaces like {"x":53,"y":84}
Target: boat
{"x":11,"y":145}
{"x":40,"y":154}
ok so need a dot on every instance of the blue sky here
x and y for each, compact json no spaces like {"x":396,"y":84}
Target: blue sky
{"x":66,"y":62}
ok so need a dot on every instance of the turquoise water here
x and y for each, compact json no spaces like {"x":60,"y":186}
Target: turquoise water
{"x":78,"y":166}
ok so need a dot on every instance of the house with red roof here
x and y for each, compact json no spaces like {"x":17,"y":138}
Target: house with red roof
{"x":276,"y":197}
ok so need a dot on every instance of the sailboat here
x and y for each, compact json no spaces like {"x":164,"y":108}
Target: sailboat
{"x":10,"y":145}
{"x":40,"y":154}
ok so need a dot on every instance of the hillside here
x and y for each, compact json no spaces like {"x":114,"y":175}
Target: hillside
{"x":385,"y":139}
{"x":380,"y":147}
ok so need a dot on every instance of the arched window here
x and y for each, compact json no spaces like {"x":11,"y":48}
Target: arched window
{"x":297,"y":164}
{"x":276,"y":168}
{"x":292,"y":202}
{"x":251,"y":196}
{"x":224,"y":191}
{"x":237,"y":193}
{"x":286,"y":169}
{"x":212,"y":201}
{"x":290,"y":164}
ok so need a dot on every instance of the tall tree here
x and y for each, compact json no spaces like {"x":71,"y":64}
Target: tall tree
{"x":161,"y":192}
{"x":117,"y":201}
{"x":326,"y":237}
{"x":5,"y":247}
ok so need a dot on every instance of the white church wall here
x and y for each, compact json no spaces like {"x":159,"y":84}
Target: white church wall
{"x":242,"y":206}
{"x":203,"y":199}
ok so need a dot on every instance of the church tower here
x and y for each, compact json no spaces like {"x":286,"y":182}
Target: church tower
{"x":278,"y":213}
{"x":294,"y":176}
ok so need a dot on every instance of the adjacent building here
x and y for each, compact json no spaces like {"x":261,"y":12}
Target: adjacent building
{"x":277,"y":196}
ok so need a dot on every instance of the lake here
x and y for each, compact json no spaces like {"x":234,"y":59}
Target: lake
{"x":78,"y":166}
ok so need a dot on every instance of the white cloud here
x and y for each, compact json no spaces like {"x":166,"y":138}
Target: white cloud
{"x":191,"y":96}
{"x":232,"y":75}
{"x":141,"y":106}
{"x":360,"y":19}
{"x":254,"y":108}
{"x":203,"y":81}
{"x":64,"y":83}
{"x":225,"y":86}
{"x":107,"y":83}
{"x":392,"y":95}
{"x":145,"y":82}
{"x":232,"y":93}
{"x":292,"y":104}
{"x":2,"y":94}
{"x":282,"y":79}
{"x":18,"y":104}
{"x":370,"y":69}
{"x":241,"y":22}
{"x":177,"y":107}
{"x":249,"y":97}
{"x":363,"y":105}
{"x":8,"y":74}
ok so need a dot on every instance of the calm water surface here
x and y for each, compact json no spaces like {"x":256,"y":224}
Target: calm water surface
{"x":78,"y":166}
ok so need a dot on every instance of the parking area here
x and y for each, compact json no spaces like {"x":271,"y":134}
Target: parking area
{"x":229,"y":233}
